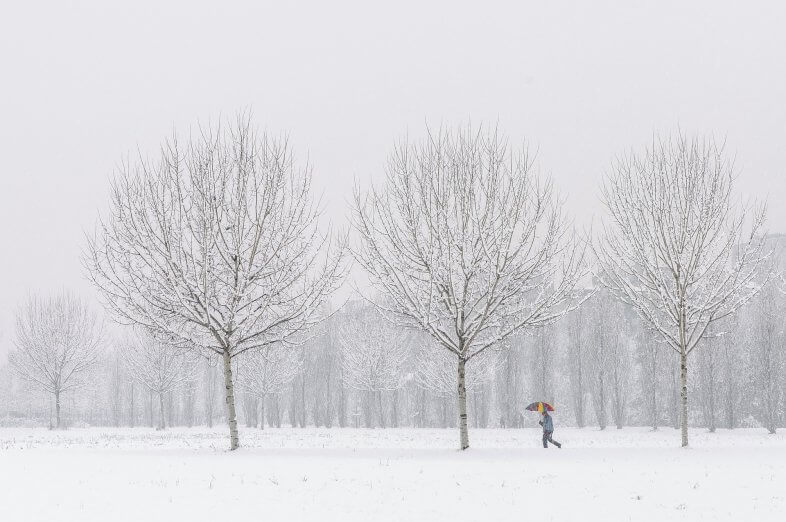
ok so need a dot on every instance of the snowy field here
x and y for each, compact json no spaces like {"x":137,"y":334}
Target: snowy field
{"x":102,"y":474}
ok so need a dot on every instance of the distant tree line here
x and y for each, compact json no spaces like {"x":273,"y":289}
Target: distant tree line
{"x":626,"y":379}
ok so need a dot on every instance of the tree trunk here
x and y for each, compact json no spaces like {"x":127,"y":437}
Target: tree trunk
{"x":230,"y":400}
{"x":508,"y":415}
{"x":209,"y":410}
{"x":654,"y":401}
{"x":368,"y":400}
{"x":462,"y":405}
{"x":132,"y":412}
{"x":423,"y":417}
{"x":277,"y":404}
{"x":316,"y":410}
{"x":293,"y":405}
{"x":328,"y":400}
{"x":57,"y":410}
{"x":250,"y":409}
{"x":730,"y":405}
{"x":579,"y":399}
{"x":170,"y":400}
{"x":381,"y":410}
{"x":617,"y":401}
{"x":303,"y":401}
{"x":190,"y":397}
{"x":651,"y":391}
{"x":712,"y":399}
{"x":675,"y":397}
{"x":602,"y":402}
{"x":730,"y":422}
{"x":475,"y":409}
{"x":161,"y":421}
{"x":152,"y":413}
{"x":394,"y":414}
{"x":684,"y":397}
{"x":262,"y":413}
{"x":342,"y":406}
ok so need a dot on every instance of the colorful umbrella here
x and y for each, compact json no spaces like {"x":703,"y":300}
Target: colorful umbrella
{"x":539,"y":407}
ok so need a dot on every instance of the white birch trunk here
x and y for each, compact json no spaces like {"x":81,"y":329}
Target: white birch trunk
{"x":462,"y":405}
{"x":684,"y":398}
{"x":230,"y":400}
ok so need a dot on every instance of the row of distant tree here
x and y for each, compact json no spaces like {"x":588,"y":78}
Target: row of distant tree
{"x":214,"y":251}
{"x":599,"y":366}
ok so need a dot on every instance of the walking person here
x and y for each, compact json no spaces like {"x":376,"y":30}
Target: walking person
{"x":548,"y":429}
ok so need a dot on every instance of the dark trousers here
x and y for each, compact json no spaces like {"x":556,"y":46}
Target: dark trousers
{"x":547,"y":438}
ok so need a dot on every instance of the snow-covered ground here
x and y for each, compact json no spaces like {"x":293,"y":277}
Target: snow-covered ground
{"x":102,"y":474}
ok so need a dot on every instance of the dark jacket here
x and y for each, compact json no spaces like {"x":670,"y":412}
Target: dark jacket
{"x":547,"y":424}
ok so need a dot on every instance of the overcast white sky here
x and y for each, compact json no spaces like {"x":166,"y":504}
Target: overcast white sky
{"x":83,"y":83}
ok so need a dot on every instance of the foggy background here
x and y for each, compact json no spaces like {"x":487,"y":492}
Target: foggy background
{"x":84,"y":83}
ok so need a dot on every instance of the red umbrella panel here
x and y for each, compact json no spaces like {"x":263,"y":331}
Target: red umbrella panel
{"x":539,"y":407}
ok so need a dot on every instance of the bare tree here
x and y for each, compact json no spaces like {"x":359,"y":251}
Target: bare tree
{"x":215,"y":247}
{"x":262,"y":373}
{"x":467,"y":244}
{"x":161,"y":369}
{"x":675,"y":249}
{"x":57,"y":343}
